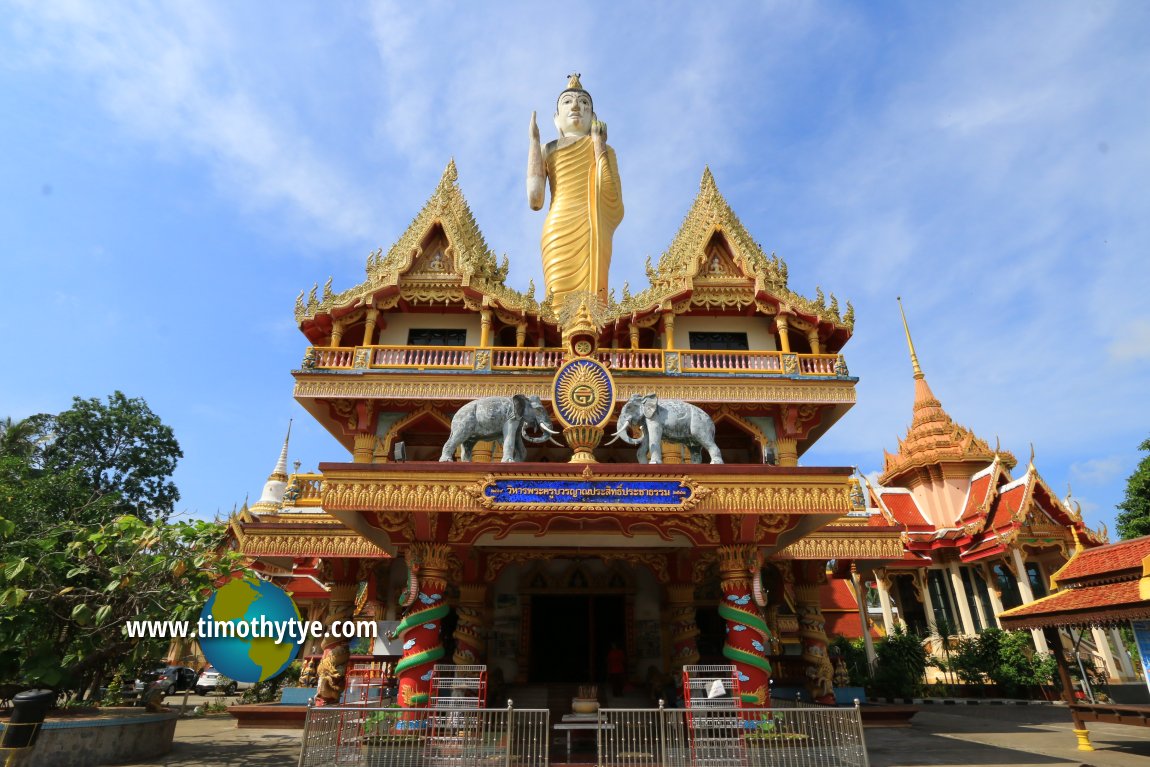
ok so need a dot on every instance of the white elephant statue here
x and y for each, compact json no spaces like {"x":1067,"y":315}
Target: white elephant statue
{"x":669,"y":420}
{"x":506,"y":419}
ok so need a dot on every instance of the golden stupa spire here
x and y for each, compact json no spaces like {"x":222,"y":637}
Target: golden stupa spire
{"x":918,"y":376}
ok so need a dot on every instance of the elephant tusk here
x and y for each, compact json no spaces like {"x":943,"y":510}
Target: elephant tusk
{"x":556,"y":442}
{"x":547,"y":429}
{"x":614,"y":439}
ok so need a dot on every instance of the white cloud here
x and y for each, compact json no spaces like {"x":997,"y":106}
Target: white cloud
{"x":1098,"y":471}
{"x":173,"y":75}
{"x":1133,"y":343}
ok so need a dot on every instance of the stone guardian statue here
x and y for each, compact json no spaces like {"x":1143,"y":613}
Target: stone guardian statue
{"x":586,"y":198}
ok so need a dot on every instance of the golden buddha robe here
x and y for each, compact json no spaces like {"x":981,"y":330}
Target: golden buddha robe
{"x":586,"y":206}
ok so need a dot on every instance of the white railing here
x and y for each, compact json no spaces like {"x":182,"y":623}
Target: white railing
{"x":505,"y":359}
{"x":395,"y":737}
{"x":817,"y":364}
{"x":526,"y":359}
{"x":423,"y":357}
{"x":632,"y":359}
{"x":754,"y":737}
{"x":731,"y":362}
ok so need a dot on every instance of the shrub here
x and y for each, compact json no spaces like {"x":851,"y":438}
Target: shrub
{"x":901,"y":663}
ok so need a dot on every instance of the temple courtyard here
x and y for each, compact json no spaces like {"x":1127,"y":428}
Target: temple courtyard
{"x":939,"y":735}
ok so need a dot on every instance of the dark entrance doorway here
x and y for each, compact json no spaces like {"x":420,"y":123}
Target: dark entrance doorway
{"x":571,"y":634}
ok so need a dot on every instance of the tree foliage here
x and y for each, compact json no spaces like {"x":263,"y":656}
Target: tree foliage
{"x":1134,"y":511}
{"x":899,"y":664}
{"x":67,"y":592}
{"x":85,"y":545}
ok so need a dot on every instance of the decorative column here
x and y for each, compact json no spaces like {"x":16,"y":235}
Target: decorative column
{"x":788,"y":451}
{"x":485,"y":327}
{"x":747,"y":634}
{"x":927,"y":602}
{"x":520,"y":335}
{"x":684,"y":630}
{"x":812,"y":632}
{"x":784,"y":333}
{"x":1123,"y":656}
{"x":420,"y":627}
{"x":995,"y":593}
{"x":1103,"y":644}
{"x":960,"y":597}
{"x":1050,"y":634}
{"x":860,"y":599}
{"x":332,"y":669}
{"x":882,"y":585}
{"x":669,"y":330}
{"x":364,"y":450}
{"x":336,"y":333}
{"x":634,"y":336}
{"x":813,"y":338}
{"x":481,"y":453}
{"x":470,"y":644}
{"x":369,"y":325}
{"x":1023,"y":579}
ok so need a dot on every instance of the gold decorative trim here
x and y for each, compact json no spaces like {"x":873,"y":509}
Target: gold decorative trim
{"x":465,"y":387}
{"x":824,"y":547}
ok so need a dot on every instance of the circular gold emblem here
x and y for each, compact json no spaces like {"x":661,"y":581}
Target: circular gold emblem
{"x":584,"y":393}
{"x":583,"y":347}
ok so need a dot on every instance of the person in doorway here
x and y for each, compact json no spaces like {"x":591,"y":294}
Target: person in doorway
{"x":616,"y":669}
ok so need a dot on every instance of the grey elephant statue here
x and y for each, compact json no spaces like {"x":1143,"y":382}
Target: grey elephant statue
{"x":507,"y":419}
{"x":670,"y":420}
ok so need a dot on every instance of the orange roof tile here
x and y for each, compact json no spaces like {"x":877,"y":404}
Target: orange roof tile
{"x":1086,"y":606}
{"x":1116,"y":561}
{"x":905,"y":510}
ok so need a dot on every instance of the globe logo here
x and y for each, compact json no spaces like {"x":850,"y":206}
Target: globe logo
{"x":237,"y":654}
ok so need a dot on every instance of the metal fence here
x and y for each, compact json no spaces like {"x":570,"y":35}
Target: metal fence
{"x":746,"y":737}
{"x":389,"y":737}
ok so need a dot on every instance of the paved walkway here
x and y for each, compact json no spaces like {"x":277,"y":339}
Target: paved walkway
{"x":1006,"y":735}
{"x":1026,"y":736}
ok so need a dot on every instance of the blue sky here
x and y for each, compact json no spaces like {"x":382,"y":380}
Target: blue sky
{"x":175,"y":173}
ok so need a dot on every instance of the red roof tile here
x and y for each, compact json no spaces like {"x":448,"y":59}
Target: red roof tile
{"x":837,"y":595}
{"x":975,"y":498}
{"x":905,"y":510}
{"x":1084,"y":606}
{"x":1107,"y":562}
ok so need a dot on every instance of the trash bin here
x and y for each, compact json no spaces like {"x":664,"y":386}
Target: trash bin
{"x":28,"y":710}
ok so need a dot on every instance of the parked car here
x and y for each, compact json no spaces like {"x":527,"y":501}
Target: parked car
{"x":169,"y":678}
{"x":209,"y":681}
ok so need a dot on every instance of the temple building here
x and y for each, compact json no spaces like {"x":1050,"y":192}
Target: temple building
{"x":527,"y":482}
{"x":977,"y":540}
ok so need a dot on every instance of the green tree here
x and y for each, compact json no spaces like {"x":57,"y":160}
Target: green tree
{"x":900,"y":664}
{"x":68,"y":591}
{"x":1134,"y":514}
{"x":121,"y":449}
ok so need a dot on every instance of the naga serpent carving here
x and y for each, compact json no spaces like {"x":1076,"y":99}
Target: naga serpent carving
{"x":421,"y":624}
{"x":748,"y":636}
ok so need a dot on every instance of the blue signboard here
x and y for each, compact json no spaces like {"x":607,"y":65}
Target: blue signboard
{"x":1142,"y":640}
{"x":590,"y":492}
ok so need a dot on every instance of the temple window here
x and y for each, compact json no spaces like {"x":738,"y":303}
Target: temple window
{"x":719,"y":341}
{"x":1037,"y":585}
{"x":436,"y":337}
{"x":942,"y":597}
{"x":968,"y":587}
{"x":1011,"y":597}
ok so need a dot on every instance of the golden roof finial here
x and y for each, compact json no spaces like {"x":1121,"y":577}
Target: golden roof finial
{"x":910,"y":344}
{"x":1078,"y":547}
{"x":1030,"y":467}
{"x":573,"y":83}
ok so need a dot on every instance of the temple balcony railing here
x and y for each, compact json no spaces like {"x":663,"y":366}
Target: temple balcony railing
{"x":304,"y":491}
{"x":686,"y":362}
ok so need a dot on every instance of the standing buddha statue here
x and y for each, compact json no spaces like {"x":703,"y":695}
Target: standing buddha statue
{"x":586,"y":198}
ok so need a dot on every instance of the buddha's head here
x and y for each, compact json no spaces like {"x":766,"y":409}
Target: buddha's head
{"x":574,"y":111}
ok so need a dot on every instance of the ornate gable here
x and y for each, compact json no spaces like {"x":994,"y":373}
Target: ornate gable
{"x":465,"y":261}
{"x":695,"y":256}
